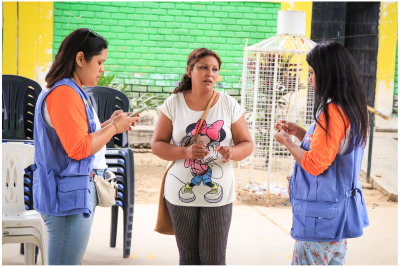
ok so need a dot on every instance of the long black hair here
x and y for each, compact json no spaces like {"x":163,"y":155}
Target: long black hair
{"x":64,"y":62}
{"x":337,"y":78}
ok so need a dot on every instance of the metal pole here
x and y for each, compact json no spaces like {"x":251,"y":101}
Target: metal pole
{"x":295,"y":103}
{"x":272,"y":129}
{"x":371,"y":138}
{"x":243,"y":94}
{"x":254,"y":119}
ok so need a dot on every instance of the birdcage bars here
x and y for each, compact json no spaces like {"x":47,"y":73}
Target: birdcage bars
{"x":271,"y":75}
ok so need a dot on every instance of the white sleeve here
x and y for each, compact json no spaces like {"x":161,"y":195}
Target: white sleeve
{"x":168,"y":107}
{"x":236,"y":110}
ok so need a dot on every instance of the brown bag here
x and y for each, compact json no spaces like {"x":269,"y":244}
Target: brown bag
{"x":164,"y":223}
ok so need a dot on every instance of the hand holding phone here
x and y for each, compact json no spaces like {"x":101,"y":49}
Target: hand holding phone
{"x":134,"y":114}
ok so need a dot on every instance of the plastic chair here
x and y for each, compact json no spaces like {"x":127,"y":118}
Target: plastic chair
{"x":27,"y":195}
{"x":18,"y":224}
{"x":109,"y":100}
{"x":19,"y":100}
{"x":120,"y":162}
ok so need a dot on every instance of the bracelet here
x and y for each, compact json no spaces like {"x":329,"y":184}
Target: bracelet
{"x":115,"y":126}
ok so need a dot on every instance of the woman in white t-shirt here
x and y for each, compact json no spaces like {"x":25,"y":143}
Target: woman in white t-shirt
{"x":200,"y":186}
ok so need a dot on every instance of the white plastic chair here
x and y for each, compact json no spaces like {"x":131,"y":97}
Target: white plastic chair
{"x":20,"y":225}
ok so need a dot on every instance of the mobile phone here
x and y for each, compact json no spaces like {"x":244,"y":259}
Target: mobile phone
{"x":134,"y":114}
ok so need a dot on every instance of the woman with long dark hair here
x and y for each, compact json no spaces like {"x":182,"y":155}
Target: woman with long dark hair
{"x":200,"y":186}
{"x":70,"y":145}
{"x":325,"y":191}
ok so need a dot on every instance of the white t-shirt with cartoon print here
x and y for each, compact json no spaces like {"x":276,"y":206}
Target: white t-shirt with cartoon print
{"x":206,"y":182}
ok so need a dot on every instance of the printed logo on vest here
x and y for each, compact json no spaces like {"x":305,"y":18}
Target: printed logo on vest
{"x":308,"y":138}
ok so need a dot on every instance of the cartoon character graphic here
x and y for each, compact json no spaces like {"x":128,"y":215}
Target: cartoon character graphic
{"x":211,"y":136}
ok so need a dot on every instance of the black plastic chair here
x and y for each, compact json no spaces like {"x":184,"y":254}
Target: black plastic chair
{"x":109,"y":100}
{"x":120,"y":162}
{"x":19,"y":100}
{"x":119,"y":159}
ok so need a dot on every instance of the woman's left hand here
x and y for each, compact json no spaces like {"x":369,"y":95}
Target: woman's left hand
{"x":226,"y":152}
{"x":282,"y":137}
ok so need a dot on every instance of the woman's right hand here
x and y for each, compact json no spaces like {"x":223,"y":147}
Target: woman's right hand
{"x":196,"y":151}
{"x":123,"y":122}
{"x":289,"y":127}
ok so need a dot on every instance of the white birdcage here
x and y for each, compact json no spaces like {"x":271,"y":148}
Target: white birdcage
{"x":275,"y":86}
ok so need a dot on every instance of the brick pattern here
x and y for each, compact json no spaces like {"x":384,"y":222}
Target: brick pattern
{"x":149,"y":42}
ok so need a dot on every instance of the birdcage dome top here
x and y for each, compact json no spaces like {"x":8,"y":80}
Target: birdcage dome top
{"x":290,"y":35}
{"x":283,"y":43}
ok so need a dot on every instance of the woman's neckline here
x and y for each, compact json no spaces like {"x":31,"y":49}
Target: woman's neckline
{"x":216,"y":102}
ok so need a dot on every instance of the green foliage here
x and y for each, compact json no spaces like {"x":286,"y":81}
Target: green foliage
{"x":152,"y":102}
{"x":108,"y":81}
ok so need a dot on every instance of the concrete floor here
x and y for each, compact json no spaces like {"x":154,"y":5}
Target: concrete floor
{"x":258,"y":236}
{"x":384,"y":168}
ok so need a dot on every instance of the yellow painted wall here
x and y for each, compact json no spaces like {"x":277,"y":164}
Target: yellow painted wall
{"x":301,"y":6}
{"x":35,"y":39}
{"x":45,"y":48}
{"x":10,"y":32}
{"x":386,"y":59}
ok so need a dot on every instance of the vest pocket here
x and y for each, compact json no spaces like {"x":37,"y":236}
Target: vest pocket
{"x":315,"y":188}
{"x":326,"y":188}
{"x":73,"y":193}
{"x":53,"y":187}
{"x":314,"y":220}
{"x":301,"y":184}
{"x":77,"y":167}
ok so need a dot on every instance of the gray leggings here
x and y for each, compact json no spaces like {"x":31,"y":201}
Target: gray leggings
{"x":201,"y":233}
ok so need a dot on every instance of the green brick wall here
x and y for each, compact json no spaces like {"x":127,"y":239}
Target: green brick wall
{"x":396,"y":87}
{"x":149,"y":42}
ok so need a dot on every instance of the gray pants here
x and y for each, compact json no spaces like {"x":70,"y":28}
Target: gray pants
{"x":201,"y":233}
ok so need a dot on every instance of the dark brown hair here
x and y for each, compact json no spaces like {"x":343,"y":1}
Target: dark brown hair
{"x":64,"y":62}
{"x":194,"y":57}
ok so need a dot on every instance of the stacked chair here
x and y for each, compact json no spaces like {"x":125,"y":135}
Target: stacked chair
{"x":21,"y":224}
{"x":19,"y":100}
{"x":119,"y":160}
{"x":18,"y":116}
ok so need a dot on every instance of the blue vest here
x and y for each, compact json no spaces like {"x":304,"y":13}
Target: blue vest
{"x":330,"y":206}
{"x":60,"y":184}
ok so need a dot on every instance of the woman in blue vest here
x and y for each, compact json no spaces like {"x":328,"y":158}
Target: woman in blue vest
{"x":70,"y":145}
{"x":325,"y":191}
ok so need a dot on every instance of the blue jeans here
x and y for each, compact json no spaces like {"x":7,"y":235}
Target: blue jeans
{"x":205,"y":178}
{"x":69,"y":235}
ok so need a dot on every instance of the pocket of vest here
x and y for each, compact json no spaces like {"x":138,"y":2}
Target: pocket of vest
{"x":73,"y":192}
{"x":76,"y":167}
{"x":326,"y":190}
{"x":315,"y":188}
{"x":314,"y":220}
{"x":300,"y":183}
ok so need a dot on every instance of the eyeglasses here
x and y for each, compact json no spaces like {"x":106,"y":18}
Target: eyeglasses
{"x":89,"y":32}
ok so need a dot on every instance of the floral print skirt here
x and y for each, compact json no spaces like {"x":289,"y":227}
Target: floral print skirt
{"x":319,"y":253}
